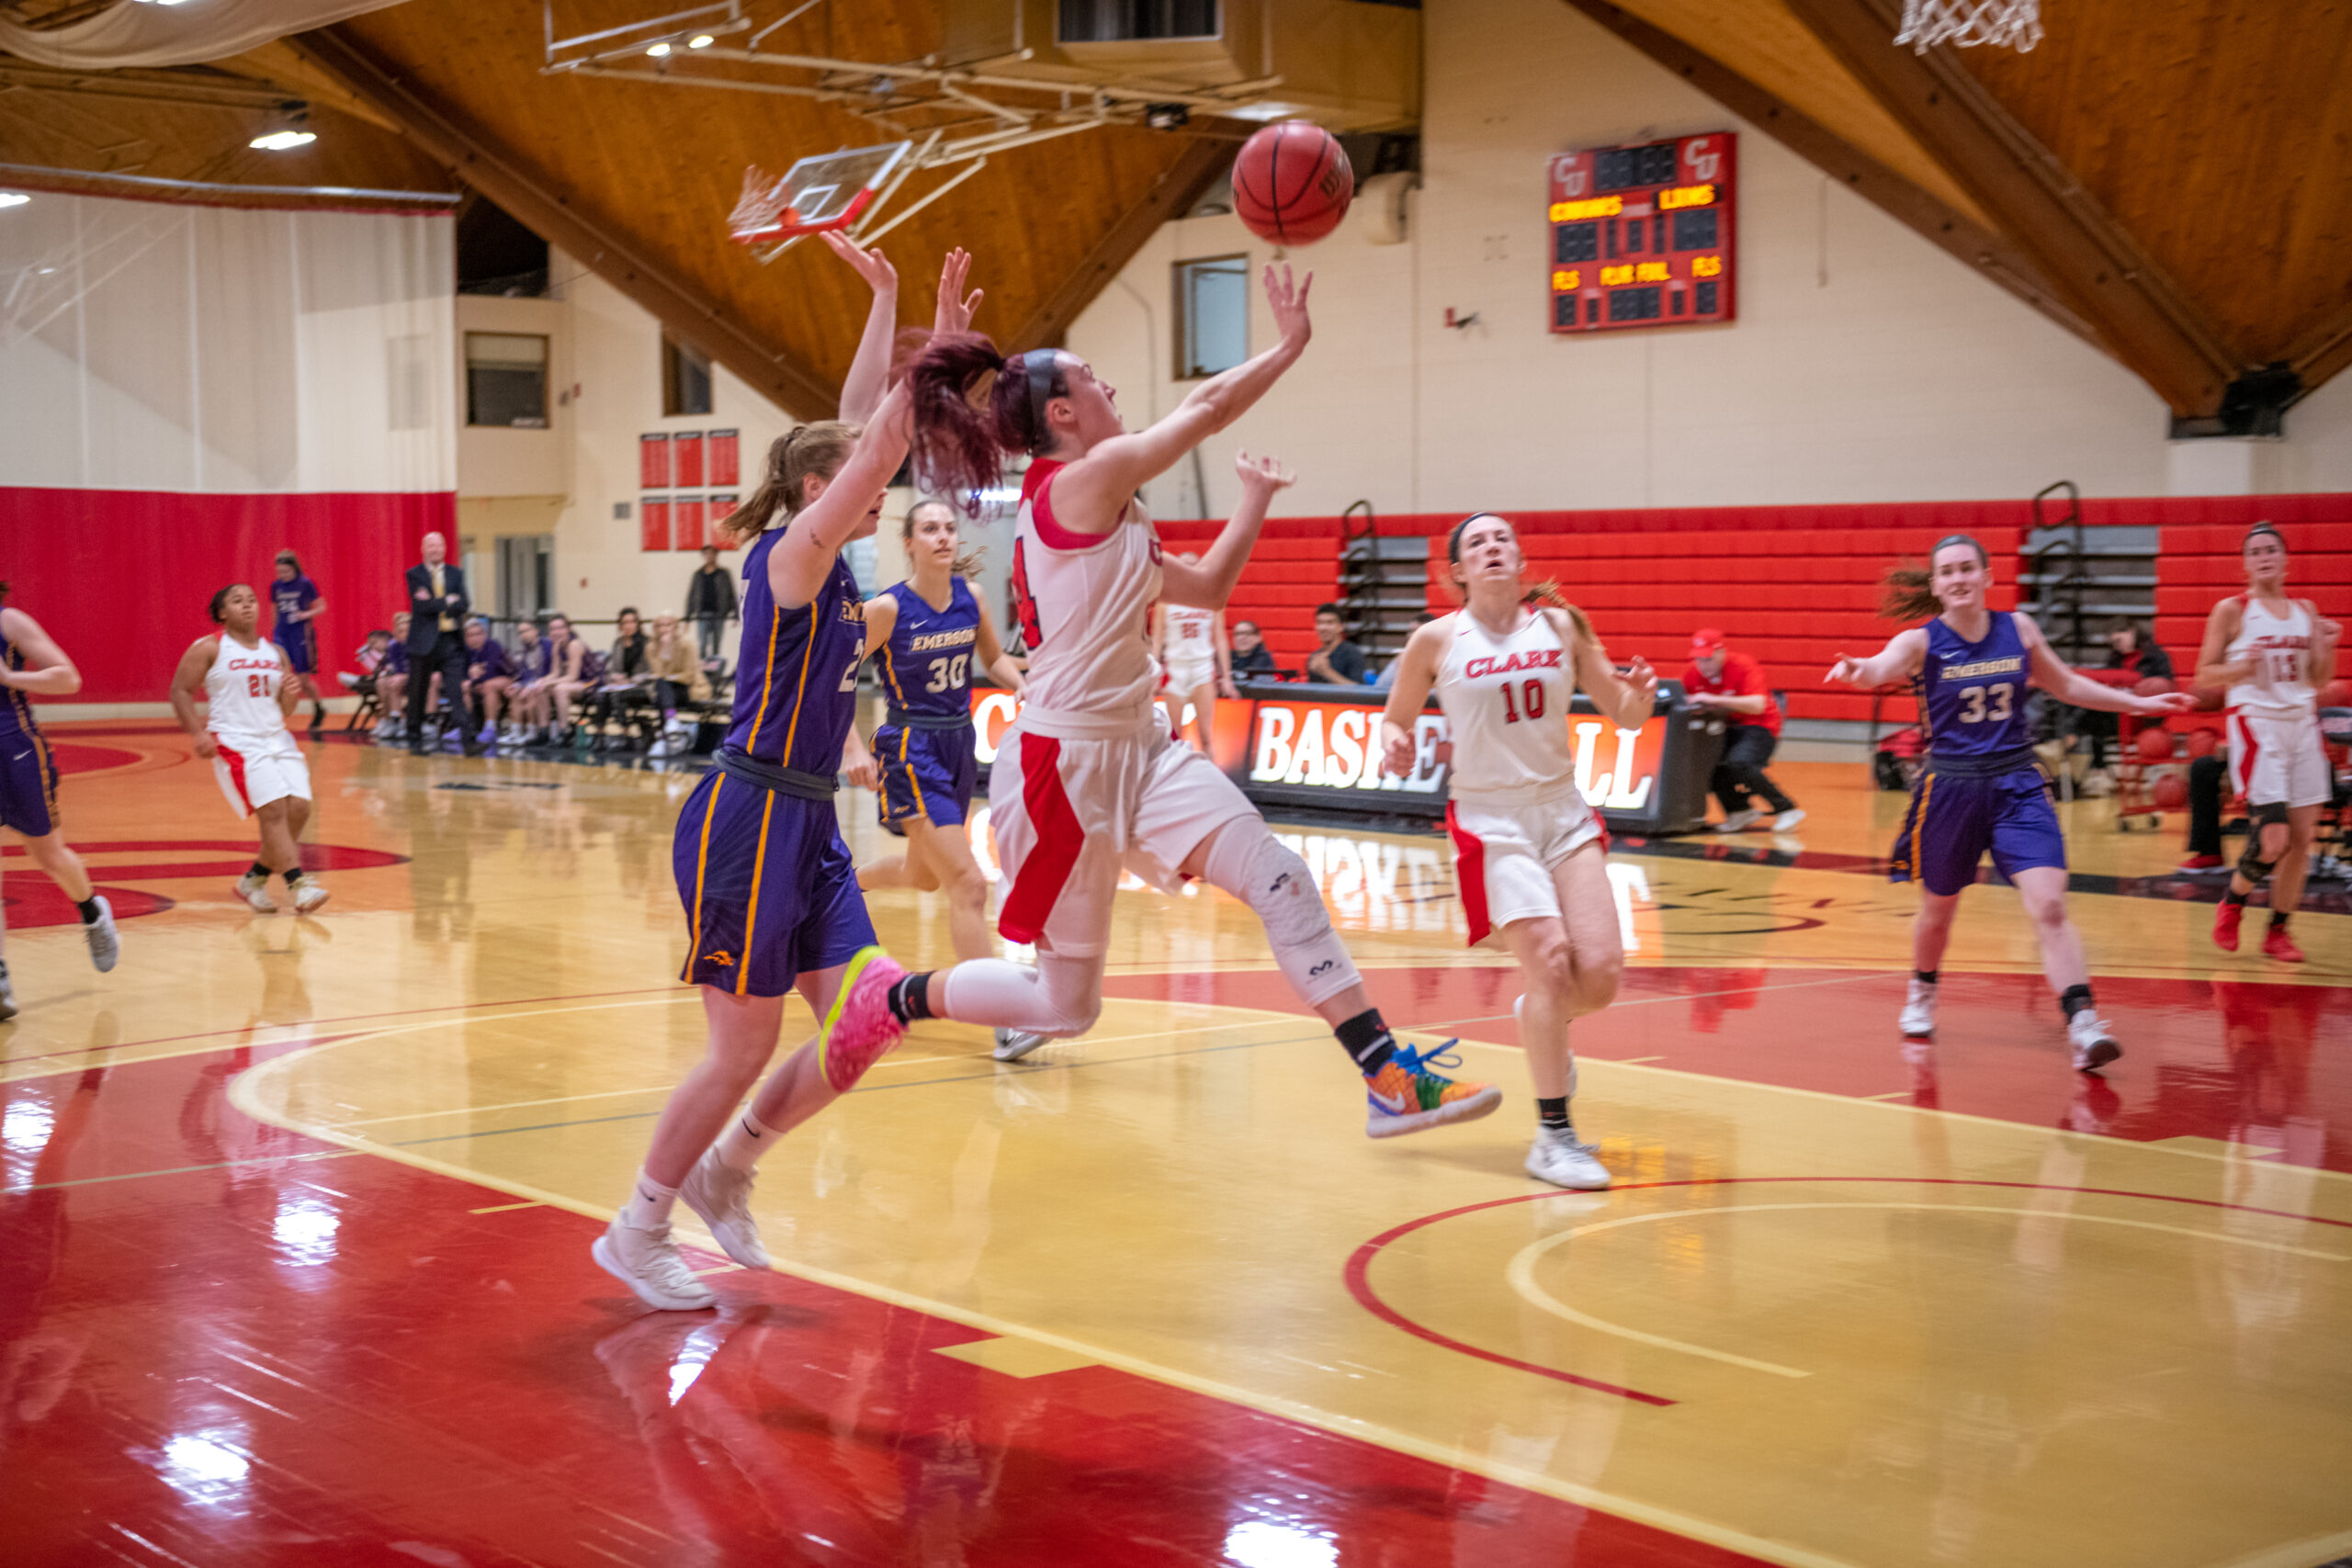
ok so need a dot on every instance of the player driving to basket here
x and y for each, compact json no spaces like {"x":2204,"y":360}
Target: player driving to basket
{"x":1980,"y":789}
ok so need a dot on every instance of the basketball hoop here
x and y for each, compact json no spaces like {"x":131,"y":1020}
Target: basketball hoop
{"x":2011,"y":24}
{"x":832,"y":190}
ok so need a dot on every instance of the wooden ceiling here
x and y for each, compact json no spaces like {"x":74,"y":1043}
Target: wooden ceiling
{"x":2165,"y":179}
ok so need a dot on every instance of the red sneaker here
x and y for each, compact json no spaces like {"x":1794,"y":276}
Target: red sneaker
{"x":2225,"y":926}
{"x":2201,"y":862}
{"x":2281,"y":946}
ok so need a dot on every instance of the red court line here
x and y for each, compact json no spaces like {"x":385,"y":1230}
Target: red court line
{"x":1359,"y":1266}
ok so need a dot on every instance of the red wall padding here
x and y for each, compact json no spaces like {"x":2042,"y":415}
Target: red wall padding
{"x":121,"y":577}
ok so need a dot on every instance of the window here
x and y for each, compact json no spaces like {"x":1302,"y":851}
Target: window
{"x":506,"y":380}
{"x":1212,"y":315}
{"x":686,"y":378}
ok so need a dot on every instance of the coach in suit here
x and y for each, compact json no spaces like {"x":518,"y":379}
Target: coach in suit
{"x":436,"y":641}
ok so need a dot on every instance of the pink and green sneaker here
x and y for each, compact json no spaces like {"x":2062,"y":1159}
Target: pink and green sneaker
{"x":860,"y":1026}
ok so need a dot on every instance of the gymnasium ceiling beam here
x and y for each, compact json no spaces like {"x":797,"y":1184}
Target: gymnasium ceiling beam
{"x":1180,"y":185}
{"x":2323,"y":351}
{"x":1931,"y":219}
{"x":2094,"y":264}
{"x":522,"y":190}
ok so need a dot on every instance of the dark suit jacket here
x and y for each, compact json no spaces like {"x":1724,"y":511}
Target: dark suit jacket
{"x":425,"y":612}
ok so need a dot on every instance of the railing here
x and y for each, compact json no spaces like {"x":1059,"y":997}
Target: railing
{"x":1368,"y":574}
{"x":2077,"y":578}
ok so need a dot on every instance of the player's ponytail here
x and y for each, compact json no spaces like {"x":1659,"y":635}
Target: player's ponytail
{"x":973,"y":406}
{"x":821,"y":448}
{"x":1548,"y":595}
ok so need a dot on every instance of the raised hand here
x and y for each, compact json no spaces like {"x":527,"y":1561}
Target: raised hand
{"x":872,"y":266}
{"x":1288,"y":302}
{"x":955,"y":309}
{"x":1262,"y":473}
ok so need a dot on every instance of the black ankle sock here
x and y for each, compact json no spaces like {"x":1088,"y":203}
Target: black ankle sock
{"x":294,"y":879}
{"x":1553,"y":1112}
{"x":1925,"y":977}
{"x":2278,"y":918}
{"x":2231,"y":895}
{"x":2075,"y":999}
{"x":89,"y":908}
{"x":260,"y":870}
{"x":1366,"y":1039}
{"x":910,"y":997}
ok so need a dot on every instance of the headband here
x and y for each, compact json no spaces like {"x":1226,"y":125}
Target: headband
{"x":1984,"y":556}
{"x":1454,"y":540}
{"x":1040,"y":364}
{"x":2263,"y":528}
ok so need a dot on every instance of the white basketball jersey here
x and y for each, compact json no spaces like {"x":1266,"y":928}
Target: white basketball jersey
{"x":1190,"y":636}
{"x":241,"y":686}
{"x":1506,"y":701}
{"x":1083,"y":601}
{"x":2277,"y":644}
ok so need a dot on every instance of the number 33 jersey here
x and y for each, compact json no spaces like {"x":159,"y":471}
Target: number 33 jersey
{"x":927,"y":663}
{"x":1974,"y":693}
{"x":1505,"y":702}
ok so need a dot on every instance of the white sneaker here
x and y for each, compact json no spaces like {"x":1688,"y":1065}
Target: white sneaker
{"x":721,"y":1195}
{"x":1786,"y":821}
{"x":1011,"y":1044}
{"x":509,"y":735}
{"x":312,"y":895}
{"x":1918,"y":1018}
{"x":1737,"y":822}
{"x":106,"y":942}
{"x":658,"y":750}
{"x":2094,"y":1042}
{"x":1558,"y":1158}
{"x":648,"y":1262}
{"x":8,"y":997}
{"x":254,"y":890}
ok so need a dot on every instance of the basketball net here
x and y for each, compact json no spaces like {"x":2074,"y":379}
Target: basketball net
{"x":762,"y":202}
{"x":2014,"y":24}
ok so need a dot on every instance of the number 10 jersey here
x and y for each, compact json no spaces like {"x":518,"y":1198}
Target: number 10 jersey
{"x":1974,"y":693}
{"x":1506,"y":701}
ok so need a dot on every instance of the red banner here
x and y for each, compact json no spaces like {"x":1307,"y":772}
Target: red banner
{"x":721,"y":508}
{"x":686,"y":523}
{"x":723,"y":461}
{"x":653,"y":462}
{"x":653,"y":523}
{"x":685,"y":457}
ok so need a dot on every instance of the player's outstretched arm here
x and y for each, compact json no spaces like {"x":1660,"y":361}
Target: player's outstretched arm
{"x":1208,"y":585}
{"x":1627,"y":700}
{"x":187,"y":681}
{"x":47,"y":672}
{"x":1898,"y":661}
{"x":1409,"y":692}
{"x":2062,"y":681}
{"x":804,"y":558}
{"x":862,"y":388}
{"x":1116,"y":468}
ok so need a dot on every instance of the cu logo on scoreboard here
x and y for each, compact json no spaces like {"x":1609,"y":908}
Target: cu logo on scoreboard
{"x":1570,"y":174}
{"x":1705,"y":162}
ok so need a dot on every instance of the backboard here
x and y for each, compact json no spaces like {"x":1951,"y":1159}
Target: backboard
{"x":831,"y":190}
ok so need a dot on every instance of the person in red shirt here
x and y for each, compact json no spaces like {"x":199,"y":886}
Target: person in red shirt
{"x":1734,"y":685}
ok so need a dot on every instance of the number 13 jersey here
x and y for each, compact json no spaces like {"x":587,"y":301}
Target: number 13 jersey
{"x":1506,"y":701}
{"x":1974,"y":693}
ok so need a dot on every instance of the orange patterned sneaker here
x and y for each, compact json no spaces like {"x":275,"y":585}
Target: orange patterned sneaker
{"x":2280,"y":946}
{"x":1405,"y":1097}
{"x":860,"y":1026}
{"x":2226,"y":917}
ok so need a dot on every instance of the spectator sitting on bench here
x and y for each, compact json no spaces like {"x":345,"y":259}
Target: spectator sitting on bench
{"x":522,"y":698}
{"x":676,"y":678}
{"x":391,"y":684}
{"x":488,"y":677}
{"x":1250,"y":654}
{"x":1336,"y":659}
{"x":369,"y":656}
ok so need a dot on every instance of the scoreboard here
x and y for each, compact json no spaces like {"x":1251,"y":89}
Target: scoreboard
{"x":1643,"y":236}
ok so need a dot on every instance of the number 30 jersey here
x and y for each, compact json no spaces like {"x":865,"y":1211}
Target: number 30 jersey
{"x":927,"y":663}
{"x":1974,"y":693}
{"x":1505,"y":702}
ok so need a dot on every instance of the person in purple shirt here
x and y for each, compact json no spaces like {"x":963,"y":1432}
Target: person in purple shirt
{"x":534,"y":660}
{"x":489,"y":673}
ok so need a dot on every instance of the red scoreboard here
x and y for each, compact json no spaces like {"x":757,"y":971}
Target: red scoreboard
{"x":1643,"y":236}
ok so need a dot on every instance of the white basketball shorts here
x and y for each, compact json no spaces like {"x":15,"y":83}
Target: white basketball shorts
{"x":1503,"y":857}
{"x":1186,"y":676}
{"x":255,"y":770}
{"x":2278,"y":760}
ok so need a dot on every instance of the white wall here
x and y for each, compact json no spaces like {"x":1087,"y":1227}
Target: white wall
{"x":1865,"y":364}
{"x":212,"y":350}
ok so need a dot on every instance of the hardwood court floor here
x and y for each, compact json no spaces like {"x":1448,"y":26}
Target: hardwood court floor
{"x":297,"y":1218}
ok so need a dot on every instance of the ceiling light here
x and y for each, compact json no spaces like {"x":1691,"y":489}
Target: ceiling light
{"x":13,"y":198}
{"x":658,"y":50}
{"x":279,"y":141}
{"x":701,"y":41}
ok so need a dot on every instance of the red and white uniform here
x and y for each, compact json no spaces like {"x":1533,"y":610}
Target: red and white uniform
{"x":1514,"y":810}
{"x":2275,"y":757}
{"x":1088,"y":781}
{"x":1188,"y":647}
{"x":258,"y":762}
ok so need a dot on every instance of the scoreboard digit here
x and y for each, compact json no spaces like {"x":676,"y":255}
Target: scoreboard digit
{"x":1643,"y":236}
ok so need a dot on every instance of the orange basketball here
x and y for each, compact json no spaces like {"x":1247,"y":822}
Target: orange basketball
{"x":2171,"y":793}
{"x":2204,"y":742}
{"x":1292,"y":183}
{"x":2336,"y":694}
{"x":2153,"y":686}
{"x":2156,"y":745}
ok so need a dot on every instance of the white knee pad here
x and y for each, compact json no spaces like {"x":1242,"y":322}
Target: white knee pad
{"x":1060,"y":996}
{"x":1249,"y":863}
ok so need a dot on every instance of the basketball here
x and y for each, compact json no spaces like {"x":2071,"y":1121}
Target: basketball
{"x":2336,"y":694}
{"x":2204,"y":742}
{"x":2153,"y":686}
{"x":1292,"y":183}
{"x":2156,"y":745}
{"x":2209,"y":699}
{"x":2171,"y":793}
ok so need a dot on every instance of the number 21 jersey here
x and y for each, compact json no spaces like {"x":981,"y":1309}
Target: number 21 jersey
{"x":1974,"y":693}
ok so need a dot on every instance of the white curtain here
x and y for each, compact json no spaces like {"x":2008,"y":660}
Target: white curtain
{"x":184,"y":34}
{"x":223,"y":350}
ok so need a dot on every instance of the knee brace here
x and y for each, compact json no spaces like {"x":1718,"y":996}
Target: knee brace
{"x":1060,"y":996}
{"x":2251,"y":865}
{"x":1249,"y":863}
